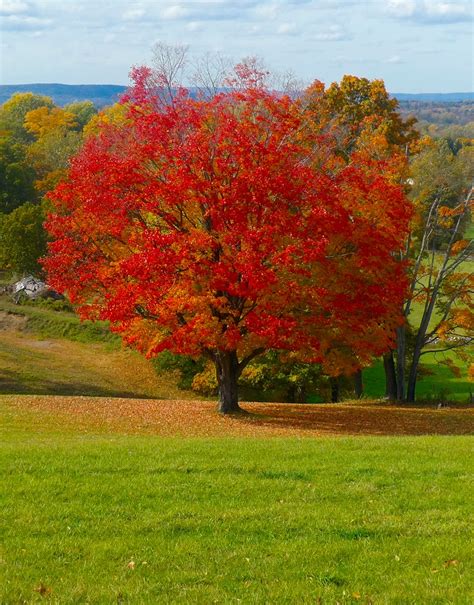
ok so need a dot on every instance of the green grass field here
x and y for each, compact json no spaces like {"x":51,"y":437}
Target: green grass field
{"x":440,"y":384}
{"x":469,"y":234}
{"x":102,"y":517}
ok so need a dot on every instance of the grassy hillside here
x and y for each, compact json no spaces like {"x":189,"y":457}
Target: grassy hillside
{"x":45,"y":351}
{"x":438,"y":383}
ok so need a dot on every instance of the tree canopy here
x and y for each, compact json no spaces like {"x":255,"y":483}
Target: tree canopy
{"x":224,"y":226}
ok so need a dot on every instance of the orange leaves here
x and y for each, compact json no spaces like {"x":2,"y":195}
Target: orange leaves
{"x":443,"y":330}
{"x":115,"y":114}
{"x":359,"y":102}
{"x":470,"y":372}
{"x":454,"y":369}
{"x":43,"y":120}
{"x":248,"y":74}
{"x":43,"y":590}
{"x":445,"y":211}
{"x":463,"y":318}
{"x":198,"y":418}
{"x":459,"y":246}
{"x":451,"y":563}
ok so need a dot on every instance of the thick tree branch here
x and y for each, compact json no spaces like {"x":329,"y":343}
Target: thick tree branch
{"x":246,"y":360}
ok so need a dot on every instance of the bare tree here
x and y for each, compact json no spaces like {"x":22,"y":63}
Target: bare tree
{"x":438,"y":283}
{"x":288,"y":83}
{"x":169,"y":62}
{"x":213,"y":71}
{"x":210,"y":73}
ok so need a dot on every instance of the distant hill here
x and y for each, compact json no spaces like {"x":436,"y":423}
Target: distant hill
{"x":435,"y":97}
{"x":63,"y":94}
{"x":107,"y":94}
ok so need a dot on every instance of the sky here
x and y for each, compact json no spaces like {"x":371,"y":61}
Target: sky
{"x":414,"y":45}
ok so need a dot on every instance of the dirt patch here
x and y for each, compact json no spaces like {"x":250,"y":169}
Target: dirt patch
{"x":43,"y":344}
{"x":12,"y":322}
{"x":200,"y":419}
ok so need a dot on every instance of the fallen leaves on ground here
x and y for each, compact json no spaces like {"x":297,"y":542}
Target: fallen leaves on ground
{"x":201,"y":419}
{"x":451,"y":563}
{"x":43,"y":590}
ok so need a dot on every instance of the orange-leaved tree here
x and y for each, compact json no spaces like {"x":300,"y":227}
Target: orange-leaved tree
{"x":213,"y":227}
{"x":363,"y":121}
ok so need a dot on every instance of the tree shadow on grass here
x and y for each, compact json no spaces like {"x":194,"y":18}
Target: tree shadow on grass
{"x":363,"y":420}
{"x":13,"y":383}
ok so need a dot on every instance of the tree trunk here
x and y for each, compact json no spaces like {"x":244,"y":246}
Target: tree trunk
{"x":300,"y":395}
{"x":412,"y":376}
{"x":419,"y":344}
{"x":390,"y":376}
{"x":291,"y":394}
{"x":227,"y":373}
{"x":296,"y":394}
{"x":334,"y":382}
{"x":358,"y":385}
{"x":401,"y":354}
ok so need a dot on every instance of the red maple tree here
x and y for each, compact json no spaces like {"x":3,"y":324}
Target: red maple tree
{"x":217,"y":227}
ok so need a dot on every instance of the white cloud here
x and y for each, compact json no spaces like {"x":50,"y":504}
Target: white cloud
{"x":133,"y":14}
{"x":24,"y":22}
{"x":334,"y":33}
{"x":448,"y":10}
{"x":431,"y":11}
{"x":194,"y":26}
{"x":382,"y":35}
{"x":174,"y":11}
{"x":335,"y":4}
{"x":287,"y":28}
{"x":13,"y":7}
{"x":402,"y":8}
{"x":267,"y":11}
{"x":253,"y":30}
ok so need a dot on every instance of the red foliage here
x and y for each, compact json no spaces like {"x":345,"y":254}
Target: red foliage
{"x":207,"y":225}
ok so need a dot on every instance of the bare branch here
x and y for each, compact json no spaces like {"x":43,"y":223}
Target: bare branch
{"x":447,"y":308}
{"x":454,"y":346}
{"x":428,"y":230}
{"x":169,"y":62}
{"x":288,"y":83}
{"x":210,"y":73}
{"x":464,"y":255}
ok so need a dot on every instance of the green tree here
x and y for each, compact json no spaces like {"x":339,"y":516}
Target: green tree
{"x":22,"y":239}
{"x":439,"y":174}
{"x":84,"y":111}
{"x":16,"y":176}
{"x":13,"y":113}
{"x":49,"y":156}
{"x":291,"y":378}
{"x":56,"y":140}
